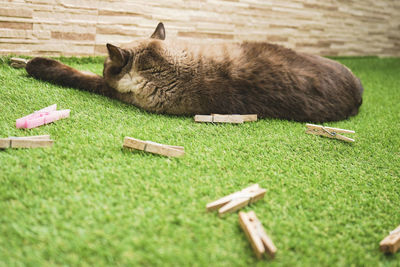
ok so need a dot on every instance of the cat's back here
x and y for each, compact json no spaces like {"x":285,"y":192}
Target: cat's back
{"x":273,"y":81}
{"x":260,"y":55}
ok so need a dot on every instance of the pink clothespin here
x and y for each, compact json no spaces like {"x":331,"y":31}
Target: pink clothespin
{"x":41,"y":117}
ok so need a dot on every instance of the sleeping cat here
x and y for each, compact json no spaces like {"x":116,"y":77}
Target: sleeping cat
{"x":182,"y":78}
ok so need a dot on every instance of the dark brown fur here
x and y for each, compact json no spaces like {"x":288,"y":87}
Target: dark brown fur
{"x":186,"y":79}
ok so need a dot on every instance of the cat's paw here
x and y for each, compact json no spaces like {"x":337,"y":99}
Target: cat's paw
{"x":38,"y":65}
{"x":43,"y":62}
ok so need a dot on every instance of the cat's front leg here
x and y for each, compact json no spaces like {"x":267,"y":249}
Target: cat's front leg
{"x":51,"y":70}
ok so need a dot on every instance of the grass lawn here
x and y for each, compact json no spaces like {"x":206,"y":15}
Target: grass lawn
{"x":87,"y":201}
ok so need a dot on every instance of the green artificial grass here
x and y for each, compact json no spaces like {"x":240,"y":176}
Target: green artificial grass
{"x":87,"y":201}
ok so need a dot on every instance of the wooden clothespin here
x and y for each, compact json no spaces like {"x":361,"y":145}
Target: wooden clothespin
{"x":237,"y":200}
{"x":329,"y":132}
{"x":391,"y":243}
{"x":234,"y":118}
{"x":259,"y":240}
{"x":44,"y":116}
{"x":26,"y":142}
{"x":155,"y":148}
{"x":18,"y":62}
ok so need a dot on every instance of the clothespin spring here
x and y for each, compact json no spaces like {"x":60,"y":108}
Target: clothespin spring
{"x":328,"y":132}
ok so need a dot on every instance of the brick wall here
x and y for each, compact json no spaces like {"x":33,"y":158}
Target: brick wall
{"x":82,"y":27}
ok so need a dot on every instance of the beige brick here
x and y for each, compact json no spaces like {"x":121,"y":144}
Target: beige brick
{"x":16,"y":25}
{"x":65,"y":27}
{"x":89,"y":14}
{"x":72,"y":36}
{"x":51,"y":47}
{"x":121,"y":30}
{"x":139,"y":21}
{"x":42,"y":34}
{"x":119,"y":13}
{"x":15,"y":51}
{"x":276,"y":38}
{"x":327,"y":7}
{"x":7,"y":48}
{"x":10,"y":33}
{"x":80,"y":4}
{"x":206,"y":35}
{"x":100,"y":49}
{"x":18,"y":41}
{"x":52,"y":2}
{"x":65,"y":16}
{"x":16,"y":12}
{"x":77,"y":49}
{"x":115,"y":39}
{"x":137,"y":7}
{"x":37,"y":7}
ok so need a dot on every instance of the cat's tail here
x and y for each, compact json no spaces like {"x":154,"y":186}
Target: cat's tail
{"x":56,"y":72}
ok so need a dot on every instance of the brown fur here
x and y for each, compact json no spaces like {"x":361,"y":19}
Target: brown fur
{"x":185,"y":79}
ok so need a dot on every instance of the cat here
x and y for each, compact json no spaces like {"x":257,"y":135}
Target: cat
{"x":186,"y":78}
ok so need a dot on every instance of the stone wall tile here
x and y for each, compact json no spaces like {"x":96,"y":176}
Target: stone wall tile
{"x":341,"y":27}
{"x":16,"y":12}
{"x":16,"y":25}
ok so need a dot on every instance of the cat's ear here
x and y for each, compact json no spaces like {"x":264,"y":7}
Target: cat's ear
{"x":159,"y":33}
{"x":117,"y":55}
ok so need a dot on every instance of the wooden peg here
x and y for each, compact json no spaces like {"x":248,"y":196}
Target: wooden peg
{"x":203,"y":118}
{"x":237,"y":200}
{"x":329,"y":132}
{"x":18,"y":62}
{"x":259,"y":240}
{"x":249,"y":117}
{"x":5,"y":143}
{"x":26,"y":142}
{"x":391,"y":243}
{"x":225,"y":118}
{"x":155,"y":148}
{"x":218,"y":118}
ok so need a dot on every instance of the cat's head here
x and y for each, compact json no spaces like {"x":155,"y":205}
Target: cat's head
{"x":136,"y":55}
